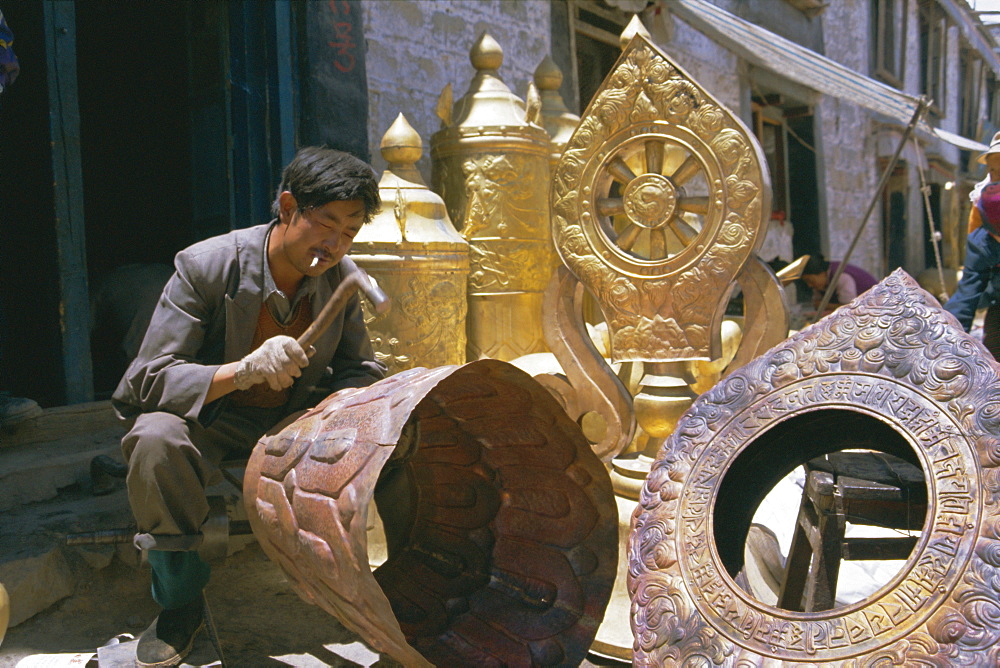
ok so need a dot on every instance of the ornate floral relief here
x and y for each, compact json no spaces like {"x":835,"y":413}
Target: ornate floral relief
{"x":501,"y":193}
{"x":420,"y":329}
{"x":603,"y":207}
{"x":892,"y":353}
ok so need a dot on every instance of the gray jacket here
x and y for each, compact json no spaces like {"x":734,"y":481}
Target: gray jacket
{"x":207,"y":316}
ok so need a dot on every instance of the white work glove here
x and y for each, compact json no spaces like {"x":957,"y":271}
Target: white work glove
{"x":278,"y":361}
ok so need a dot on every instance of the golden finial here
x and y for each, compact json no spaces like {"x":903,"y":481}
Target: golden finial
{"x":444,"y":105}
{"x":486,"y":53}
{"x":401,"y":145}
{"x":555,"y":117}
{"x":548,"y":76}
{"x":634,"y":27}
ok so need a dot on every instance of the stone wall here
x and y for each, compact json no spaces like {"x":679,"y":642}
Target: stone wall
{"x":847,"y":155}
{"x":416,"y":47}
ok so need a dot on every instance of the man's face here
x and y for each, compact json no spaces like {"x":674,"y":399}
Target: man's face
{"x":322,"y":233}
{"x":993,"y":163}
{"x":815,"y":281}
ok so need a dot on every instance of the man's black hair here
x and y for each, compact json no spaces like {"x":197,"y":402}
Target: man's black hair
{"x":318,"y":175}
{"x":816,"y":264}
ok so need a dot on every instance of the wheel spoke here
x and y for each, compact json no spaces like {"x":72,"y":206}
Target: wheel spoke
{"x":610,"y":206}
{"x":654,"y":156}
{"x":628,"y":236}
{"x":620,"y":171}
{"x":657,"y":244}
{"x":683,"y":231}
{"x":688,"y":168}
{"x":693,"y":204}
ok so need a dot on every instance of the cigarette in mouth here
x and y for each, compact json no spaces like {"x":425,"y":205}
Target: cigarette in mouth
{"x":313,"y":264}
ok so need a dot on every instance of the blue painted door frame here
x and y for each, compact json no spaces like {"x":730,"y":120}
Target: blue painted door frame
{"x":262,"y":105}
{"x":59,"y":20}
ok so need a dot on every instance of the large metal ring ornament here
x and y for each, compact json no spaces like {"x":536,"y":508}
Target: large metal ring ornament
{"x":500,"y":521}
{"x":658,"y":201}
{"x":890,"y":372}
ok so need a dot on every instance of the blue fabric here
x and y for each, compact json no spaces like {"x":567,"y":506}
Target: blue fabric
{"x":9,"y":66}
{"x":980,"y":284}
{"x":178,"y":577}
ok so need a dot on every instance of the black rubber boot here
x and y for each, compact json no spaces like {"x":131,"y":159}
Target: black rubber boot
{"x":169,"y":638}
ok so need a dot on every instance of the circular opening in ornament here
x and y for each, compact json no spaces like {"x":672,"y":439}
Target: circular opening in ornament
{"x":820,"y":511}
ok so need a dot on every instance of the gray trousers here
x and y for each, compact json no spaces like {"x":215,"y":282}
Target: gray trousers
{"x":170,"y":463}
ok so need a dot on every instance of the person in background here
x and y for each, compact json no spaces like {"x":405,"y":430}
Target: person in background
{"x":980,"y":282}
{"x":852,"y":281}
{"x":13,"y":410}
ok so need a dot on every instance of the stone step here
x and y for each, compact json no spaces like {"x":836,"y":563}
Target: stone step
{"x":54,"y":452}
{"x":61,"y":422}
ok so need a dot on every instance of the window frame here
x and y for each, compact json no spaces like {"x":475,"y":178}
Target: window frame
{"x":889,"y":41}
{"x":933,"y":28}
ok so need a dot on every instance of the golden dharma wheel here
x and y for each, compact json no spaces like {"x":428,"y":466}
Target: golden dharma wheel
{"x":658,"y":203}
{"x":657,"y":200}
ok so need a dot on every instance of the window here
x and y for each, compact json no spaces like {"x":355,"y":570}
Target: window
{"x":933,"y":43}
{"x":770,"y":131}
{"x":971,"y":78}
{"x":887,"y":37}
{"x":597,"y":27}
{"x":992,"y":92}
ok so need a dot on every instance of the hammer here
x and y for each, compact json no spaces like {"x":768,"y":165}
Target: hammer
{"x":354,"y":279}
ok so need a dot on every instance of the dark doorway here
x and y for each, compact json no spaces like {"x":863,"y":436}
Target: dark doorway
{"x":894,"y":222}
{"x":136,"y":159}
{"x":802,"y":185}
{"x":30,"y":342}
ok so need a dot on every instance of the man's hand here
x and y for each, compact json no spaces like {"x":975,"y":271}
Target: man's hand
{"x":278,"y":361}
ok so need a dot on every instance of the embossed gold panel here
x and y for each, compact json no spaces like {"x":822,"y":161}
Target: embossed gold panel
{"x":491,"y":167}
{"x":891,"y":368}
{"x":658,"y":203}
{"x":413,"y":251}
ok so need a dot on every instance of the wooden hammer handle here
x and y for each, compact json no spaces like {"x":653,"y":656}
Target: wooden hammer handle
{"x":353,"y":279}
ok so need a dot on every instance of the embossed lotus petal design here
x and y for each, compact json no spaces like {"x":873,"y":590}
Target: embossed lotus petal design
{"x":892,"y":354}
{"x":658,"y":203}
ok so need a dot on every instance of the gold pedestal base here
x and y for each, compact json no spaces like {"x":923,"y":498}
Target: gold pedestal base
{"x":614,"y":636}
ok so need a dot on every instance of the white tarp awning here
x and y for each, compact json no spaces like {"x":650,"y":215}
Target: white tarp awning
{"x":764,"y":48}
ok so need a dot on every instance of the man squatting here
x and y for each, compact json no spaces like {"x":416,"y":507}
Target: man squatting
{"x":220,"y":365}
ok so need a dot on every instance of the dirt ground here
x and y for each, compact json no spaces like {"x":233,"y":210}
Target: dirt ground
{"x":260,"y":620}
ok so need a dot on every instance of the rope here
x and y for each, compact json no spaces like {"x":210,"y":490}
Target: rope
{"x":934,"y":234}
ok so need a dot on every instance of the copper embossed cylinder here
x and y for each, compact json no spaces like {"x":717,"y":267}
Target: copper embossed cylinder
{"x":889,"y":378}
{"x":490,"y":164}
{"x":500,"y":520}
{"x":413,"y":251}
